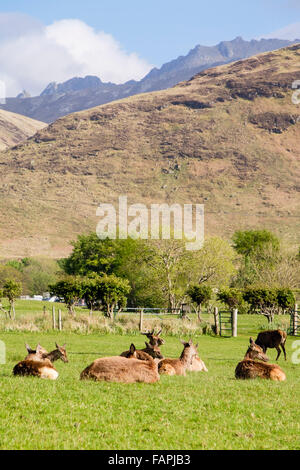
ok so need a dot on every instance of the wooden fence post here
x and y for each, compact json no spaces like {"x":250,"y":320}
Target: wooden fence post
{"x":53,"y":318}
{"x":234,"y":322}
{"x":216,"y":316}
{"x":59,"y":320}
{"x":141,"y":319}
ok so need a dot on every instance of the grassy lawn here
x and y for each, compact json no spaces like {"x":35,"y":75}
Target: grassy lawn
{"x":201,"y":411}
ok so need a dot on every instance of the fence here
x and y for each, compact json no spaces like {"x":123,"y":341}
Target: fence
{"x":294,"y":329}
{"x":226,"y":322}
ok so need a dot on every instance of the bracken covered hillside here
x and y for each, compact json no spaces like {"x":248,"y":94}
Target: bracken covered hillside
{"x":228,"y":138}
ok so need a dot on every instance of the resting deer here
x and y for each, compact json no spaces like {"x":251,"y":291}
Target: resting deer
{"x":40,"y":353}
{"x":38,"y":368}
{"x":249,"y":368}
{"x":154,"y":340}
{"x":272,"y":339}
{"x":123,"y":369}
{"x":179,"y":366}
{"x":197,"y":365}
{"x":153,"y":351}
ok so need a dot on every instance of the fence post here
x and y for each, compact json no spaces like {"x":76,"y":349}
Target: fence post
{"x":59,"y":320}
{"x":216,"y":315}
{"x":295,"y":321}
{"x":141,"y":319}
{"x":234,"y":322}
{"x":53,"y":318}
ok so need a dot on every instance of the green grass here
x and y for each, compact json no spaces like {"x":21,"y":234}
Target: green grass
{"x":201,"y":411}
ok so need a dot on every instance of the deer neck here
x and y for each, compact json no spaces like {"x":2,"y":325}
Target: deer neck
{"x":53,"y":355}
{"x":186,"y":356}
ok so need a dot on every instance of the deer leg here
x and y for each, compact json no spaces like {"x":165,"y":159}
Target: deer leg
{"x":283,"y":349}
{"x":278,"y":352}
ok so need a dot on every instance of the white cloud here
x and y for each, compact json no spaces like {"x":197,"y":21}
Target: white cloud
{"x":32,"y":55}
{"x":291,"y":31}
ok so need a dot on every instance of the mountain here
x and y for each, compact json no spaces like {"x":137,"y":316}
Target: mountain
{"x":77,"y":94}
{"x":228,"y":138}
{"x":15,"y":128}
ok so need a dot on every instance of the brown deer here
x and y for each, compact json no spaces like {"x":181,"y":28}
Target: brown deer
{"x":153,"y":351}
{"x":197,"y":365}
{"x":37,"y":368}
{"x":272,"y":339}
{"x":123,"y":369}
{"x":249,"y":368}
{"x":154,"y":339}
{"x":40,"y":353}
{"x":179,"y":366}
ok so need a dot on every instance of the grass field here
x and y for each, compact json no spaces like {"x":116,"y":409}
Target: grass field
{"x":201,"y":411}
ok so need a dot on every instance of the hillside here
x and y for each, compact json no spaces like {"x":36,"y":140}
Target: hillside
{"x":228,"y":138}
{"x":15,"y":128}
{"x":77,"y":94}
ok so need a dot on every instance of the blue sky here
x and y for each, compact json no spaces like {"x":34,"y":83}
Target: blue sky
{"x":160,"y":30}
{"x":43,"y":41}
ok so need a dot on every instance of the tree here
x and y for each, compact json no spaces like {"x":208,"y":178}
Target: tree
{"x":200,"y":295}
{"x":112,"y":291}
{"x":250,"y":241}
{"x":70,"y":289}
{"x":233,"y":298}
{"x":12,"y":289}
{"x":269,"y":302}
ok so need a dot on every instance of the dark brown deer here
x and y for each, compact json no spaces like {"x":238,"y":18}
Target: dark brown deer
{"x":179,"y":366}
{"x":123,"y":369}
{"x":40,"y":353}
{"x":153,"y":351}
{"x":272,"y":339}
{"x":154,"y":339}
{"x":42,"y":368}
{"x":251,"y":368}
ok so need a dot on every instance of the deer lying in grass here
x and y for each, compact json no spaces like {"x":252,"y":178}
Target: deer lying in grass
{"x":154,"y":340}
{"x":179,"y":366}
{"x":249,"y":368}
{"x":38,"y":368}
{"x":123,"y":369}
{"x":40,"y":353}
{"x":272,"y":339}
{"x":197,"y":365}
{"x":153,"y":351}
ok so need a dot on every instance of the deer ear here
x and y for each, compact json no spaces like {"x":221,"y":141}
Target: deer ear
{"x":132,"y":348}
{"x":57,"y":346}
{"x":38,"y":348}
{"x":183,"y":342}
{"x":64,"y":346}
{"x":251,"y":340}
{"x":28,"y":348}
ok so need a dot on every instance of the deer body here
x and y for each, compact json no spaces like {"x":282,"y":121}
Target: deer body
{"x":197,"y":365}
{"x":43,"y":369}
{"x":249,"y":368}
{"x":272,"y":339}
{"x":123,"y":369}
{"x":179,"y":366}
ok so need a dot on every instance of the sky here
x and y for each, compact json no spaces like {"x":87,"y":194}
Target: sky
{"x":117,"y":40}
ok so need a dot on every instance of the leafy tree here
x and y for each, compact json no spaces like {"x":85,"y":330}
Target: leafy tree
{"x":250,"y":241}
{"x":233,"y":298}
{"x":12,"y":289}
{"x":200,"y":295}
{"x":268,"y":302}
{"x":112,"y":291}
{"x":70,"y":289}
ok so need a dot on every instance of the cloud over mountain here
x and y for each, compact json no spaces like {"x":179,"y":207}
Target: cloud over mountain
{"x":32,"y":54}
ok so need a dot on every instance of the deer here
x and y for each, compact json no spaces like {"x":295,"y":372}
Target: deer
{"x":150,"y":350}
{"x":179,"y":366}
{"x":251,"y":368}
{"x":40,"y":353}
{"x":154,"y":340}
{"x":197,"y":365}
{"x":272,"y":339}
{"x":123,"y":369}
{"x":38,"y":368}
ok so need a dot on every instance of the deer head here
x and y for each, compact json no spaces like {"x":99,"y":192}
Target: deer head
{"x":61,"y":352}
{"x":255,"y":352}
{"x":155,"y":340}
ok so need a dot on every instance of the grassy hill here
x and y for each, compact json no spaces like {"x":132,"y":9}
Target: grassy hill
{"x":228,"y":138}
{"x":15,"y":128}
